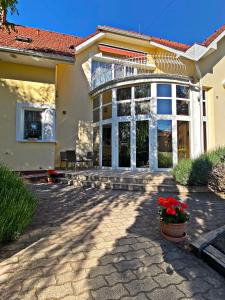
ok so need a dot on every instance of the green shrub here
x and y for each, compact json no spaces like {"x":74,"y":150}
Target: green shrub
{"x":197,"y":171}
{"x":182,"y":171}
{"x":17,"y":205}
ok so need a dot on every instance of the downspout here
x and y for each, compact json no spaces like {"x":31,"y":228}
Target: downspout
{"x":200,"y":100}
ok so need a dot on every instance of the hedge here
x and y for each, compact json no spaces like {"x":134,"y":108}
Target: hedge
{"x":197,"y":171}
{"x":17,"y":205}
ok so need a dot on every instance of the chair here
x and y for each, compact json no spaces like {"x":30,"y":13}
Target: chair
{"x":89,"y":158}
{"x":63,"y":159}
{"x":68,"y":157}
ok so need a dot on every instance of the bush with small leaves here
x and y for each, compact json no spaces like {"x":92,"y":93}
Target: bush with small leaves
{"x":17,"y":205}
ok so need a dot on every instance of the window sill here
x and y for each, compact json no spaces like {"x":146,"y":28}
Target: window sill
{"x":39,"y":142}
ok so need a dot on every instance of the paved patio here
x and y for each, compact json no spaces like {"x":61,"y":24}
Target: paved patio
{"x":92,"y":244}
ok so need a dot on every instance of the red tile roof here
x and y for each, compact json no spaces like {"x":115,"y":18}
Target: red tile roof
{"x":45,"y":41}
{"x":213,"y":36}
{"x":42,"y":40}
{"x":174,"y":45}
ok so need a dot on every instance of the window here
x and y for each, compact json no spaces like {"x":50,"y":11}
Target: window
{"x":183,"y":101}
{"x":164,"y":90}
{"x":182,"y":91}
{"x":165,"y":152}
{"x":204,"y":117}
{"x":32,"y":125}
{"x":124,"y":94}
{"x":142,"y":91}
{"x":35,"y":122}
{"x":164,"y":106}
{"x":183,"y":143}
{"x":107,"y":105}
{"x":142,"y":107}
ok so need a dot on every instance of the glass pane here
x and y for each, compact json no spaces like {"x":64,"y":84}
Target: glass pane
{"x":204,"y":95}
{"x":164,"y":133}
{"x":123,"y":94}
{"x":32,"y":125}
{"x":96,"y":115}
{"x":142,"y":144}
{"x":142,"y":107}
{"x":183,"y":144}
{"x":129,"y":71}
{"x":118,"y":71}
{"x":164,"y":90}
{"x":205,"y":136}
{"x":123,"y":109}
{"x":142,"y":91}
{"x":101,"y":73}
{"x":96,"y":102}
{"x":107,"y":145}
{"x":164,"y":106}
{"x":204,"y":109}
{"x":107,"y":97}
{"x":124,"y":144}
{"x":96,"y":143}
{"x":183,"y":91}
{"x":107,"y":112}
{"x":183,"y":107}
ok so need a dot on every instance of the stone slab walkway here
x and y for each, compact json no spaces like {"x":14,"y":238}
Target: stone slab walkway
{"x":92,"y":244}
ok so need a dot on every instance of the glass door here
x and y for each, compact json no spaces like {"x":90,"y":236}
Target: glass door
{"x":124,"y":145}
{"x":107,"y":145}
{"x":142,"y":144}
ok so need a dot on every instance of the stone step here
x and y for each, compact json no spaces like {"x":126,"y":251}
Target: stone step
{"x":124,"y":180}
{"x":126,"y":187}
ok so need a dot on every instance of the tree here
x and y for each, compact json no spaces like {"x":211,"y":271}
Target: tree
{"x":7,"y":5}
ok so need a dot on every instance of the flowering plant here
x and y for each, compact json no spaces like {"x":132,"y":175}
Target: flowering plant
{"x":52,"y":173}
{"x":172,"y":211}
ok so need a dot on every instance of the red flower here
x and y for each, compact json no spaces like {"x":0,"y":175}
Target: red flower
{"x":184,"y":205}
{"x":173,"y":201}
{"x":163,"y":202}
{"x":52,"y":172}
{"x":181,"y":210}
{"x":171,"y":211}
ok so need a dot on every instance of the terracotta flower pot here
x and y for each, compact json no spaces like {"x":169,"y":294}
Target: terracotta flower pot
{"x":51,"y":180}
{"x":174,"y":232}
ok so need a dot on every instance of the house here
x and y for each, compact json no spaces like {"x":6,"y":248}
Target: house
{"x":135,"y":101}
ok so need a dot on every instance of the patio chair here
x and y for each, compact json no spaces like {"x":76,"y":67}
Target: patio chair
{"x":68,"y":157}
{"x":63,"y":159}
{"x":89,"y":159}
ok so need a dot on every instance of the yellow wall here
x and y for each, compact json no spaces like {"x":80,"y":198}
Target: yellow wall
{"x":30,"y":84}
{"x":213,"y":71}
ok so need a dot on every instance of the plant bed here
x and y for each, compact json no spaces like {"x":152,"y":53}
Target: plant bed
{"x":173,"y":219}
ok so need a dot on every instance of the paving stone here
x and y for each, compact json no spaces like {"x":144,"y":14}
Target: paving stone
{"x":55,"y":291}
{"x":71,"y":276}
{"x":88,"y":284}
{"x":115,"y":292}
{"x":168,"y":293}
{"x":135,"y":254}
{"x":126,"y":265}
{"x":140,"y":296}
{"x":168,"y":279}
{"x":150,"y":271}
{"x":120,"y":277}
{"x":190,"y":288}
{"x":38,"y":282}
{"x":142,"y":285}
{"x":109,"y":258}
{"x":102,"y":270}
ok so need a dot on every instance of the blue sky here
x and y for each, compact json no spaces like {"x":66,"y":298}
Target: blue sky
{"x":179,"y":20}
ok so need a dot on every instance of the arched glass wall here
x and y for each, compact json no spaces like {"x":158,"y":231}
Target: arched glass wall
{"x":142,"y":126}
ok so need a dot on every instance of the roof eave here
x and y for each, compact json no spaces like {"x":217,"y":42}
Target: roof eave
{"x":51,"y":56}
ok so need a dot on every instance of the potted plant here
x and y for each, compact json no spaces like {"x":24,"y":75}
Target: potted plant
{"x":52,"y":175}
{"x":173,"y":219}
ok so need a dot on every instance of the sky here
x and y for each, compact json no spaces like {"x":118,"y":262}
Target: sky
{"x":185,"y":21}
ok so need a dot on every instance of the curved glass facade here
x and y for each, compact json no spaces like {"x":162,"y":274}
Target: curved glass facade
{"x":142,"y":126}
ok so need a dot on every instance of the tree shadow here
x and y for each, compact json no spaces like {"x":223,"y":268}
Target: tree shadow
{"x":106,"y":245}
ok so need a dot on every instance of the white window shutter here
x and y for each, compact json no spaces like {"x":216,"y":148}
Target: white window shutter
{"x":48,"y":123}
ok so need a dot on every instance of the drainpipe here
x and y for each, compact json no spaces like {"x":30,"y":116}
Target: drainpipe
{"x":200,"y":100}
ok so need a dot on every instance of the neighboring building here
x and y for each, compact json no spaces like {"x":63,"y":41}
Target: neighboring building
{"x":136,"y":101}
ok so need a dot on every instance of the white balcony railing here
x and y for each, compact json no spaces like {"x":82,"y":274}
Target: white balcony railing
{"x":107,"y":69}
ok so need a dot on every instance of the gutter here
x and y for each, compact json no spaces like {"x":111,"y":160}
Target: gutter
{"x":55,"y":57}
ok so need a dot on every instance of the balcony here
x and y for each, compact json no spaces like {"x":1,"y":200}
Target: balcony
{"x":108,"y":69}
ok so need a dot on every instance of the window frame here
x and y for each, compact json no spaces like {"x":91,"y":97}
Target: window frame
{"x":20,"y":121}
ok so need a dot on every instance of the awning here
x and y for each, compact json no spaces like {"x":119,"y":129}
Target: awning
{"x":120,"y":51}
